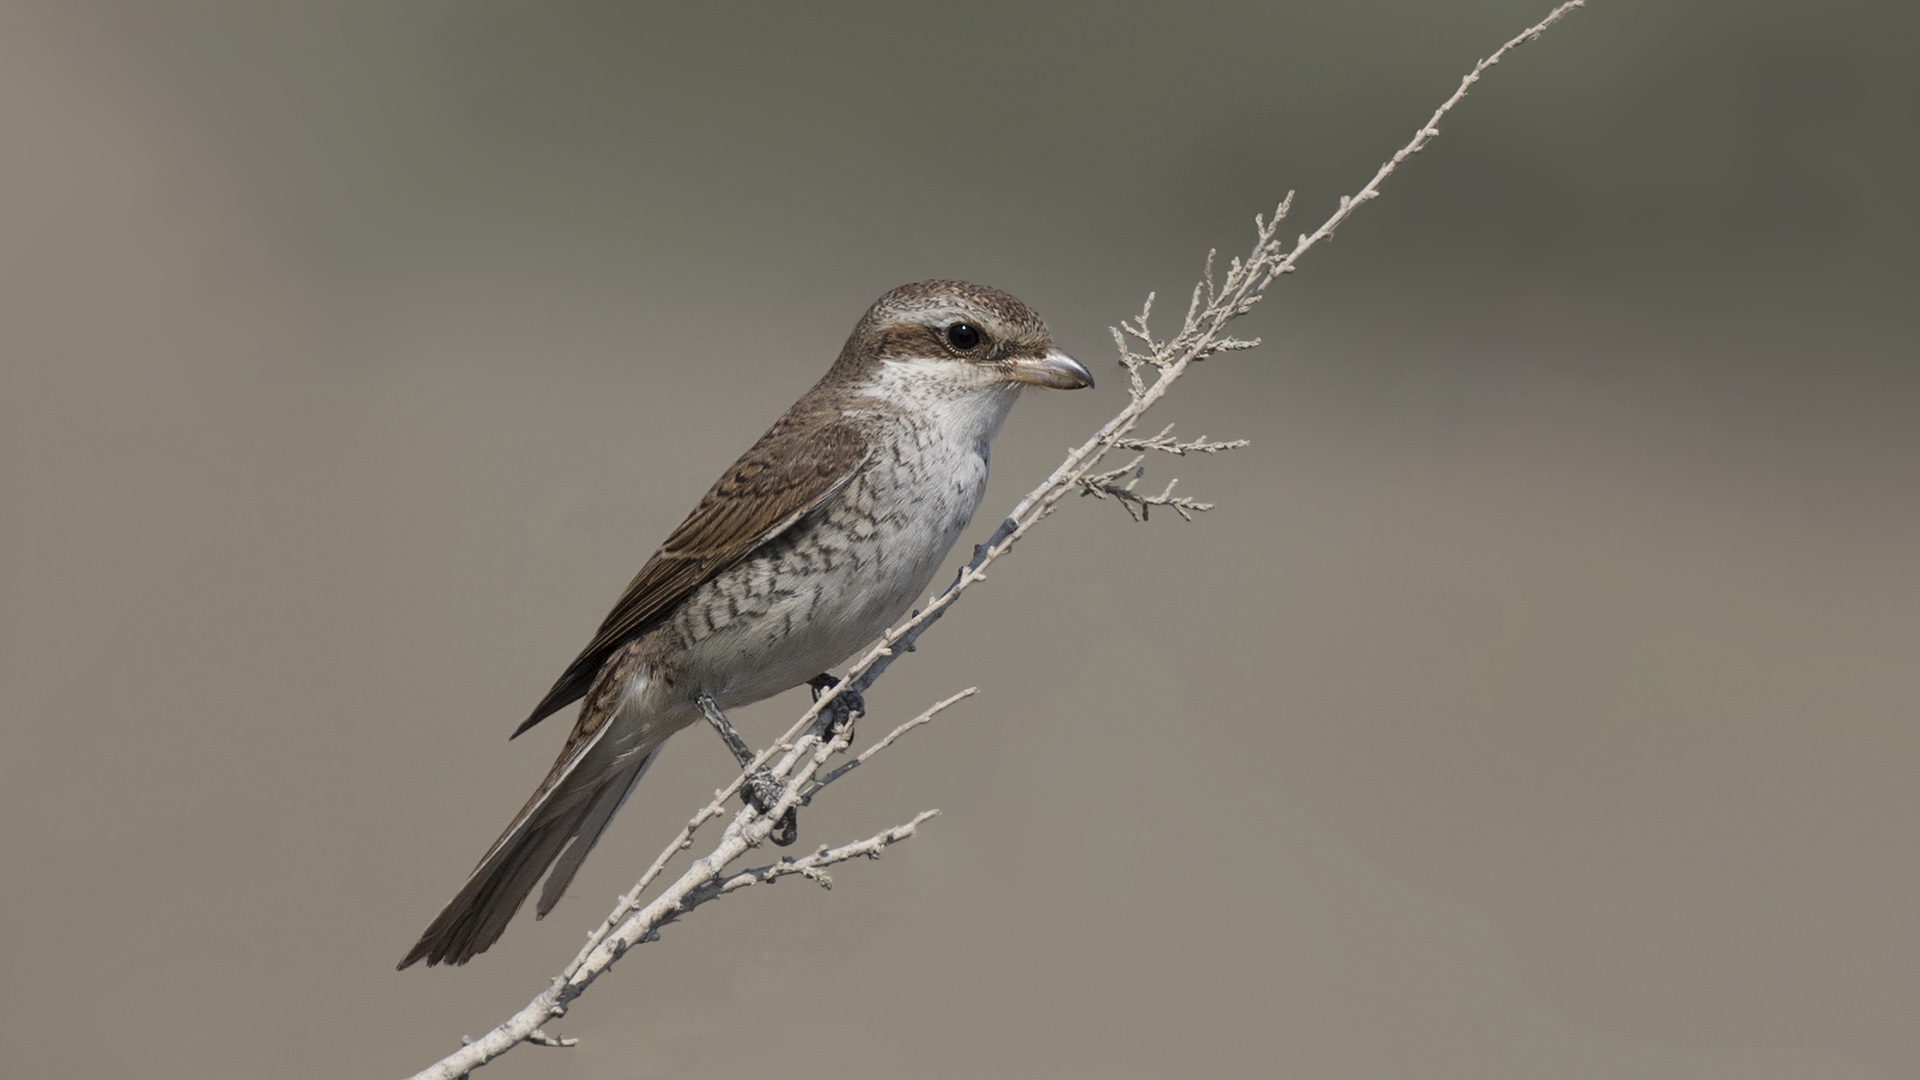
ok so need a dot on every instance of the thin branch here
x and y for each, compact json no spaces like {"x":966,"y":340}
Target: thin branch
{"x":541,"y":1038}
{"x":1165,"y":441}
{"x":810,"y":742}
{"x":810,"y":866}
{"x":933,"y":710}
{"x":1106,"y":486}
{"x":701,"y":883}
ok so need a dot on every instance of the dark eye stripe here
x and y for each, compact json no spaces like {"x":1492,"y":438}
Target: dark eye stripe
{"x":912,"y":340}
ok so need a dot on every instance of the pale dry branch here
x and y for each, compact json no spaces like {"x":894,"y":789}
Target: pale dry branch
{"x":632,"y":923}
{"x":1106,"y":485}
{"x":1166,"y":442}
{"x":810,"y":866}
{"x":809,"y":743}
{"x":933,"y":710}
{"x":540,"y":1038}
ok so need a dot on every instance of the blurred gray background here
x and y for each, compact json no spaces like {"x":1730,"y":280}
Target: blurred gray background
{"x":1539,"y":702}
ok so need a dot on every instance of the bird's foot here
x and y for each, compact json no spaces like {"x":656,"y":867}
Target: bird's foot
{"x":845,"y":706}
{"x":760,"y":790}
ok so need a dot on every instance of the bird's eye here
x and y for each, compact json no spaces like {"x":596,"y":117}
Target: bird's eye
{"x":963,"y":336}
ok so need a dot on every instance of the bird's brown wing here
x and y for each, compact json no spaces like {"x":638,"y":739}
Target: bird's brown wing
{"x":798,"y":465}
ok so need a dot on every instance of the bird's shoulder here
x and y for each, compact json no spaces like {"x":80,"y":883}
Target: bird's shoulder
{"x":804,"y":460}
{"x":808,"y":455}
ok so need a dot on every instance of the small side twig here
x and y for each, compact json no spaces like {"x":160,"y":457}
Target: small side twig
{"x":810,"y":866}
{"x":933,"y":710}
{"x":1105,"y":486}
{"x":1166,"y":442}
{"x":539,"y":1037}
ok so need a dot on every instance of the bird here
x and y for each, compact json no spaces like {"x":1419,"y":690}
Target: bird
{"x":808,"y":547}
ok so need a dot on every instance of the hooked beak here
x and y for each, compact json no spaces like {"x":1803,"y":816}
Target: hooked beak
{"x":1055,"y":371}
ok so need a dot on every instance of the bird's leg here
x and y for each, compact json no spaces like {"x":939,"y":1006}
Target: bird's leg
{"x":710,"y":709}
{"x":760,"y":791}
{"x":846,"y":705}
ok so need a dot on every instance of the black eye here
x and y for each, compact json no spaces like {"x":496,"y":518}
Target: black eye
{"x":962,"y":336}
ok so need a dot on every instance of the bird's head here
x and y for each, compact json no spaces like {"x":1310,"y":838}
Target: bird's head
{"x":957,"y":338}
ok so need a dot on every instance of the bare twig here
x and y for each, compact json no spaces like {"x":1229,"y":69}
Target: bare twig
{"x":810,"y":742}
{"x":539,"y":1037}
{"x":933,"y":710}
{"x":809,"y":866}
{"x":1106,"y":485}
{"x":1165,"y":441}
{"x":633,"y":924}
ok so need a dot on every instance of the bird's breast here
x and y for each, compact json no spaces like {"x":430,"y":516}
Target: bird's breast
{"x":833,"y":582}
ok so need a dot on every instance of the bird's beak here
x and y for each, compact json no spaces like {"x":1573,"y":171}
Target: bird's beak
{"x":1055,"y":371}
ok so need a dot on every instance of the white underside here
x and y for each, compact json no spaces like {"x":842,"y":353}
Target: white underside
{"x":750,"y":661}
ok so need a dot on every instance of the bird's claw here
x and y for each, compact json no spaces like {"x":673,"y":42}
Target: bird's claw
{"x":762,"y":792}
{"x":845,"y":706}
{"x":787,"y":829}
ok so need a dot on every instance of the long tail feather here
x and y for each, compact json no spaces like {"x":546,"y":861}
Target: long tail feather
{"x":612,"y":797}
{"x":573,"y":809}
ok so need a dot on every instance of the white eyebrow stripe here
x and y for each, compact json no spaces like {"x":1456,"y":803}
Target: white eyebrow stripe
{"x":942,"y":315}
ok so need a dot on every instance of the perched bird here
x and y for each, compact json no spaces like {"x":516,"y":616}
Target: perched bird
{"x":817,"y":539}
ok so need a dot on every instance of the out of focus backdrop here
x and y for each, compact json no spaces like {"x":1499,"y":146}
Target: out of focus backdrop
{"x":1539,"y":700}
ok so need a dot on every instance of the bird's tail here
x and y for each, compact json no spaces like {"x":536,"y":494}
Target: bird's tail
{"x":559,"y":824}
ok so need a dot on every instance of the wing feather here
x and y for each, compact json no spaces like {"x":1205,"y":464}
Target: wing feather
{"x":800,"y":464}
